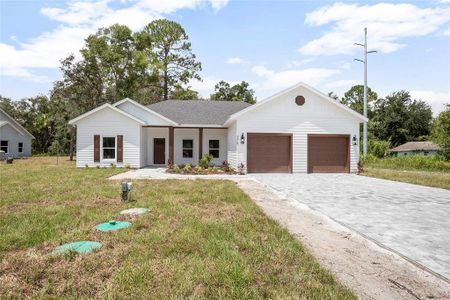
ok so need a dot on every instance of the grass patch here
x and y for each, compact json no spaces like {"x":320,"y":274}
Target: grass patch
{"x":410,"y":163}
{"x":432,"y":179}
{"x":200,"y":240}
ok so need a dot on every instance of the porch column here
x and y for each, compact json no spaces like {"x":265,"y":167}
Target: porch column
{"x":200,"y":143}
{"x":171,"y":133}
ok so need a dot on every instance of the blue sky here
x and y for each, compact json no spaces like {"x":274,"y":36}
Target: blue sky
{"x":270,"y":44}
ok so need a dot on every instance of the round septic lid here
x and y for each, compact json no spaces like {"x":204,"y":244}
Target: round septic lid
{"x":112,"y":225}
{"x":135,"y":211}
{"x":81,"y":247}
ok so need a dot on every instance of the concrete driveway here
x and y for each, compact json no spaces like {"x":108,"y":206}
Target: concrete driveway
{"x":410,"y":219}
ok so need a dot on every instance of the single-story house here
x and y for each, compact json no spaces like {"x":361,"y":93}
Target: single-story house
{"x":416,"y":148}
{"x":15,"y":141}
{"x":296,"y":130}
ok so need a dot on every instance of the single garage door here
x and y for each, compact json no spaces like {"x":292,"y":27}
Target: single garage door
{"x":269,"y":153}
{"x":328,"y":153}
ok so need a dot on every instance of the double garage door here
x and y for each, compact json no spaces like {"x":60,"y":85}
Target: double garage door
{"x":272,"y":153}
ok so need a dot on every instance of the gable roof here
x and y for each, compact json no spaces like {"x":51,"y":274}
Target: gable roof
{"x":198,"y":112}
{"x":106,"y":105}
{"x":144,"y":108}
{"x":416,"y":146}
{"x":14,"y":124}
{"x":309,"y":88}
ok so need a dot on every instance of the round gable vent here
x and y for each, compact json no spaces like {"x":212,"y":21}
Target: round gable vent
{"x":300,"y":100}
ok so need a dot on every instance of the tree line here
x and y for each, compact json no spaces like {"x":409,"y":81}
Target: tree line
{"x":397,"y":119}
{"x":148,"y":66}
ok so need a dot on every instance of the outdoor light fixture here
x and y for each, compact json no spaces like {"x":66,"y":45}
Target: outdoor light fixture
{"x":354,"y":140}
{"x":242,"y":138}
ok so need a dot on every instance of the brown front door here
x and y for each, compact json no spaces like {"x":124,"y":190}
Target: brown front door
{"x":159,"y":151}
{"x":328,"y":153}
{"x":269,"y":153}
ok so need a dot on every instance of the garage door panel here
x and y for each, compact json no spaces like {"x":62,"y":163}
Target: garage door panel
{"x":328,"y":154}
{"x":268,"y":153}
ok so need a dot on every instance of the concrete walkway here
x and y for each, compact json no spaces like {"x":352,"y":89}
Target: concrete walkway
{"x":410,"y":219}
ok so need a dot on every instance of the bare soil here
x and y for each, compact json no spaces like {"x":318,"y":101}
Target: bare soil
{"x":371,"y":271}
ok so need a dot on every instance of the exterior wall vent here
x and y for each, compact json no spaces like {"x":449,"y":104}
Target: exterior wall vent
{"x":300,"y":100}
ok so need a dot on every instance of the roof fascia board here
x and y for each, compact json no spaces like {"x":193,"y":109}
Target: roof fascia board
{"x":146,"y":109}
{"x":106,"y":105}
{"x":301,"y":84}
{"x":12,"y":126}
{"x":20,"y":127}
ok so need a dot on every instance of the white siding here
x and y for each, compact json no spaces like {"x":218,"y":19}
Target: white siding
{"x":152,"y":133}
{"x":142,"y":114}
{"x":282,"y":115}
{"x":232,"y":146}
{"x":8,"y":133}
{"x":108,"y":122}
{"x":216,"y":134}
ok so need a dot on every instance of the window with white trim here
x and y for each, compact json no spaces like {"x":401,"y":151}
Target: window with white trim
{"x":20,"y":147}
{"x":109,"y":147}
{"x":4,"y":146}
{"x":188,"y":148}
{"x":214,"y":148}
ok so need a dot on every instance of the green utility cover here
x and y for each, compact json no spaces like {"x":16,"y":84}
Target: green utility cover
{"x":134,"y":211}
{"x":82,"y":247}
{"x":112,"y":225}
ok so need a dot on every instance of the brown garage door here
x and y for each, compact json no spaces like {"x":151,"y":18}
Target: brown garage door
{"x":328,"y":153}
{"x":269,"y":153}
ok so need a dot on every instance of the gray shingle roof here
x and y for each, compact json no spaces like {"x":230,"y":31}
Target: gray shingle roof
{"x":202,"y":112}
{"x":416,"y":146}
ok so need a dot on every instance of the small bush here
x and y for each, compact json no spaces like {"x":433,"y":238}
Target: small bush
{"x":198,"y":169}
{"x":205,"y":161}
{"x":176,"y":168}
{"x":113,"y":166}
{"x":170,"y":164}
{"x":127,"y":166}
{"x":226,"y":166}
{"x":378,"y":148}
{"x":187,"y":168}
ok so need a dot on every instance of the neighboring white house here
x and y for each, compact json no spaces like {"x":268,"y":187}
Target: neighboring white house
{"x":15,"y":141}
{"x":426,"y":148}
{"x":297,"y":130}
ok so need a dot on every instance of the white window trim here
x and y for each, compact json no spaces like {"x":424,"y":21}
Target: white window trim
{"x":7,"y":147}
{"x":182,"y":148}
{"x":115,"y":148}
{"x":19,"y":148}
{"x":218,"y":149}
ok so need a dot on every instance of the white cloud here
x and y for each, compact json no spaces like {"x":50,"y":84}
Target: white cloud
{"x":298,"y":63}
{"x":387,"y":24}
{"x":235,"y":61}
{"x":447,"y":32}
{"x":279,"y":80}
{"x":435,"y":99}
{"x":340,"y":83}
{"x":79,"y":19}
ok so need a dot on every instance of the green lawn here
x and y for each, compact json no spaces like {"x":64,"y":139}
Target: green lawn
{"x":427,"y":178}
{"x":422,"y":170}
{"x":201,"y":240}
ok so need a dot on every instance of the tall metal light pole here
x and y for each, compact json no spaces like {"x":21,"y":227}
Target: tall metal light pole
{"x":365,"y":88}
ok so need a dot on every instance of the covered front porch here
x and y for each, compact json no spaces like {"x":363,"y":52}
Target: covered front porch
{"x":161,"y":145}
